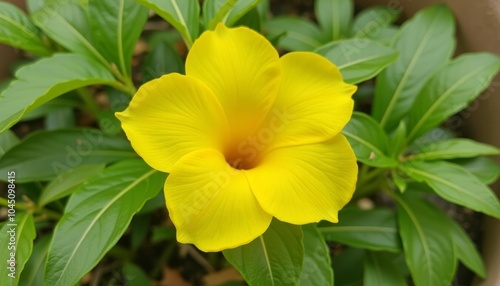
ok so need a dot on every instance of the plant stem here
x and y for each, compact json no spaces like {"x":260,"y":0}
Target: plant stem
{"x":89,"y":101}
{"x":30,"y":208}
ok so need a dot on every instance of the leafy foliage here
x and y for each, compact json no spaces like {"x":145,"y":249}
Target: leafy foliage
{"x":80,"y":188}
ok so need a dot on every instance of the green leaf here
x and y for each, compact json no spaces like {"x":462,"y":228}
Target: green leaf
{"x":116,"y":27}
{"x":17,"y":30}
{"x":162,"y":58}
{"x":454,"y":148}
{"x":398,"y":140}
{"x":455,"y":184}
{"x":370,"y":22}
{"x":215,"y":11}
{"x":252,"y":20}
{"x":450,"y":90}
{"x":316,"y":269}
{"x":46,"y":79}
{"x":425,"y":43}
{"x":429,"y":250}
{"x":33,"y":271}
{"x":358,"y":59}
{"x":44,"y":155}
{"x":34,"y":5}
{"x":56,"y":104}
{"x":16,"y":252}
{"x":485,"y":169}
{"x":274,"y":258}
{"x":96,"y":217}
{"x":183,"y":15}
{"x":371,"y":229}
{"x":466,"y":250}
{"x":334,"y":16}
{"x":68,"y":182}
{"x":297,"y":34}
{"x":135,"y":276}
{"x":226,"y":11}
{"x":368,"y":140}
{"x":139,"y":228}
{"x":60,"y":119}
{"x":7,"y":140}
{"x":162,"y":233}
{"x":66,"y":22}
{"x":379,"y":269}
{"x":347,"y":265}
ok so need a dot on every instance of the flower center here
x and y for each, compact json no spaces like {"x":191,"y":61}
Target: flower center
{"x":242,"y":158}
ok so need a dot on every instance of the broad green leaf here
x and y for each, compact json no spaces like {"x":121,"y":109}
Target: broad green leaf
{"x":431,"y":137}
{"x":485,"y":169}
{"x":139,"y":228}
{"x":239,"y":10}
{"x":96,"y":217}
{"x":33,"y":271}
{"x":162,"y":233}
{"x":215,"y":11}
{"x":274,"y":258}
{"x":46,"y":79}
{"x":58,"y":103}
{"x":379,"y":269}
{"x":425,"y":43}
{"x":34,"y":5}
{"x":358,"y":59}
{"x":297,"y":34}
{"x":7,"y":140}
{"x":116,"y":26}
{"x":17,"y":30}
{"x":335,"y":17}
{"x":226,"y":11}
{"x":370,"y":22}
{"x":316,"y":269}
{"x":450,"y":90}
{"x":68,"y":182}
{"x":386,"y":35}
{"x":66,"y":22}
{"x":135,"y":276}
{"x":161,"y":59}
{"x":455,"y":184}
{"x":368,"y":140}
{"x":429,"y":250}
{"x":44,"y":155}
{"x":398,"y":140}
{"x":371,"y":229}
{"x":454,"y":148}
{"x":251,"y":19}
{"x":16,"y":252}
{"x":183,"y":15}
{"x":348,"y":266}
{"x":60,"y":119}
{"x":400,"y":182}
{"x":466,"y":250}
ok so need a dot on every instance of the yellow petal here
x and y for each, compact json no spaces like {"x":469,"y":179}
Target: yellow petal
{"x":172,"y":116}
{"x":211,"y":204}
{"x":313,"y":103}
{"x":307,"y":183}
{"x":242,"y":68}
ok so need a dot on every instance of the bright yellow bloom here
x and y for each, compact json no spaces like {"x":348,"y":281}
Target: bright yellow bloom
{"x":246,"y":136}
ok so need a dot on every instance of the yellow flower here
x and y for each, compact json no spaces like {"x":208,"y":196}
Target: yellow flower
{"x":246,"y":136}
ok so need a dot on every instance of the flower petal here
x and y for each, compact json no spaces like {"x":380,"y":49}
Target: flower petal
{"x":211,"y":204}
{"x":313,"y":103}
{"x":307,"y":183}
{"x":242,"y":68}
{"x":172,"y":116}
